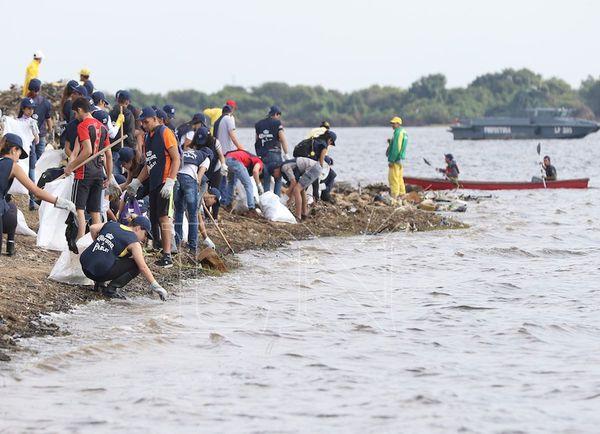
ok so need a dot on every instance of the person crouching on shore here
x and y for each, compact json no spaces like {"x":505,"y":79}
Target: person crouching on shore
{"x":300,"y":172}
{"x":11,"y":151}
{"x":116,"y":256}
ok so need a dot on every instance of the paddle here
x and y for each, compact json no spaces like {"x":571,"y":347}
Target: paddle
{"x":429,"y":164}
{"x":539,"y":152}
{"x":437,"y":171}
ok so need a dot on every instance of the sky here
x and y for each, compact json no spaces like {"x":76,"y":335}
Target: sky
{"x":343,"y":45}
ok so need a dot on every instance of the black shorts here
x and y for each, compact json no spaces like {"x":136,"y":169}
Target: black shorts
{"x":159,"y":206}
{"x":87,"y":194}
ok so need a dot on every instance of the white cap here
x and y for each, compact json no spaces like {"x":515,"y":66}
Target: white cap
{"x":38,"y":54}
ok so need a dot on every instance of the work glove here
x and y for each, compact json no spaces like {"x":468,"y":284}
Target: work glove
{"x":167,"y":189}
{"x":133,"y":187}
{"x":63,"y":203}
{"x":261,"y":189}
{"x":162,"y":293}
{"x":224,"y":170}
{"x":120,"y":120}
{"x":286,"y":157}
{"x":209,"y":243}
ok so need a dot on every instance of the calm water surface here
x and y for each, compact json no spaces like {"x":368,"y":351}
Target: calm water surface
{"x":491,"y":329}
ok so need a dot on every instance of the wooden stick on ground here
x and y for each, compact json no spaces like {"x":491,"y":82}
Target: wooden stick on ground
{"x":217,"y":225}
{"x":97,"y":154}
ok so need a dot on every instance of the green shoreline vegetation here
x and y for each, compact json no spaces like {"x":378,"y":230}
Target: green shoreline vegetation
{"x":427,"y":101}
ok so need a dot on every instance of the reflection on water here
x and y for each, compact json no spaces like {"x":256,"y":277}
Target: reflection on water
{"x":491,"y":329}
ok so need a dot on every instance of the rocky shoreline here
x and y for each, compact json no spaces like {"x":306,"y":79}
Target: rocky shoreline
{"x":26,"y":293}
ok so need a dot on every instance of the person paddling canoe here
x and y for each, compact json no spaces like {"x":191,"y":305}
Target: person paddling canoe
{"x":451,"y":170}
{"x":548,"y":169}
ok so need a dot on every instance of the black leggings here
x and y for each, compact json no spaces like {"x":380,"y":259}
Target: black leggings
{"x":121,"y":267}
{"x":8,"y":223}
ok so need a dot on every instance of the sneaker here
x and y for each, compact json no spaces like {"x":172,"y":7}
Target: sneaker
{"x":10,"y":248}
{"x":111,"y":292}
{"x":99,"y":286}
{"x":165,"y":262}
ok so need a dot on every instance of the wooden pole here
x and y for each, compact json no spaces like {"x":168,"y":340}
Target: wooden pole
{"x":217,"y":226}
{"x":97,"y":154}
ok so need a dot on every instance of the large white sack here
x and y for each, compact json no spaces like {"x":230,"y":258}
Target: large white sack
{"x":240,"y":204}
{"x":23,"y":130}
{"x":51,"y":234}
{"x":22,"y":227}
{"x":49,"y":159}
{"x":67,"y":268}
{"x":274,"y":210}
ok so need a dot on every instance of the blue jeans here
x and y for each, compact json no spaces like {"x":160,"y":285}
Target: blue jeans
{"x":40,"y":147}
{"x":239,"y":172}
{"x":186,"y":198}
{"x":269,"y":159}
{"x":32,"y":161}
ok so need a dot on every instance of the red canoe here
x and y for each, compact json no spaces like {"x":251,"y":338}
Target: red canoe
{"x":444,"y":184}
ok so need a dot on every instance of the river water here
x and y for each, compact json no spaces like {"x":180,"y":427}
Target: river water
{"x":491,"y":329}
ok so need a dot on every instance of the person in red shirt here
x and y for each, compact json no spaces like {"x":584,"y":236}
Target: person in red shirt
{"x":242,"y":164}
{"x":90,"y":178}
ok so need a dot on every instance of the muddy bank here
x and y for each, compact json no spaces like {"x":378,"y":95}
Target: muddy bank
{"x":26,"y":293}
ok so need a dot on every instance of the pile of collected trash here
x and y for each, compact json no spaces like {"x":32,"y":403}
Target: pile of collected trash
{"x":11,"y":98}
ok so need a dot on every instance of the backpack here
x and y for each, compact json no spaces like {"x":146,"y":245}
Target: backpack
{"x":305,"y":148}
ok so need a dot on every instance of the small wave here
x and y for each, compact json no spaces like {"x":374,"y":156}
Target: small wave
{"x":364,"y":328}
{"x":563,"y":252}
{"x":467,"y":307}
{"x":510,"y":252}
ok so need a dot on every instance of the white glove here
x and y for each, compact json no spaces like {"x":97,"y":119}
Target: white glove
{"x":261,"y":189}
{"x":167,"y":189}
{"x":162,"y":293}
{"x":65,"y":204}
{"x":286,"y":157}
{"x":133,"y":187}
{"x":224,"y":170}
{"x":208,"y":243}
{"x":114,"y":182}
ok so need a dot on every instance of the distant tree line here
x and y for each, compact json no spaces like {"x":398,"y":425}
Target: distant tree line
{"x":427,"y":101}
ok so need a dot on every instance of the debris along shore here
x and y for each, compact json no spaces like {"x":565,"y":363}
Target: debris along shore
{"x":26,"y":293}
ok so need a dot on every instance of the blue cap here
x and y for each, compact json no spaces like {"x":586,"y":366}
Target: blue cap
{"x":72,"y":84}
{"x":144,"y":223}
{"x":35,"y":85}
{"x":147,"y":112}
{"x":126,"y":154}
{"x":274,"y":110}
{"x":199,"y":118}
{"x":27,"y":102}
{"x":101,"y":116}
{"x":201,"y":135}
{"x":169,"y":110}
{"x":215,"y":192}
{"x":99,"y":96}
{"x":160,"y":113}
{"x":227,"y":109}
{"x":449,"y":156}
{"x":331,"y":135}
{"x":16,"y":140}
{"x":82,"y":90}
{"x":123,"y":95}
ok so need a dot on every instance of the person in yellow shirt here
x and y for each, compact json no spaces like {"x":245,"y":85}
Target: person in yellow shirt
{"x":32,"y":70}
{"x":396,"y":153}
{"x":215,"y":113}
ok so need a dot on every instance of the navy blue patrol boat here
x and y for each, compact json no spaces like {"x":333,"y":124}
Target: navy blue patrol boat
{"x":540,"y":123}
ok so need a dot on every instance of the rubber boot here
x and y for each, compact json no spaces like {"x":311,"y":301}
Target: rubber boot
{"x":10,"y":247}
{"x":112,"y":290}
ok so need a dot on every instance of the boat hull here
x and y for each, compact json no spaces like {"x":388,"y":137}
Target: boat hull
{"x":520,"y":132}
{"x":442,"y":184}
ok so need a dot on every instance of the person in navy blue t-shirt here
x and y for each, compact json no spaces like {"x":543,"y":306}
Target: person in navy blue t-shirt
{"x":270,"y":142}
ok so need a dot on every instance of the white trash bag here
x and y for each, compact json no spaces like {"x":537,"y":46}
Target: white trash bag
{"x":51,"y":234}
{"x":240,"y":204}
{"x":49,"y":159}
{"x":67,"y":268}
{"x":274,"y":210}
{"x":23,"y":130}
{"x":22,"y":227}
